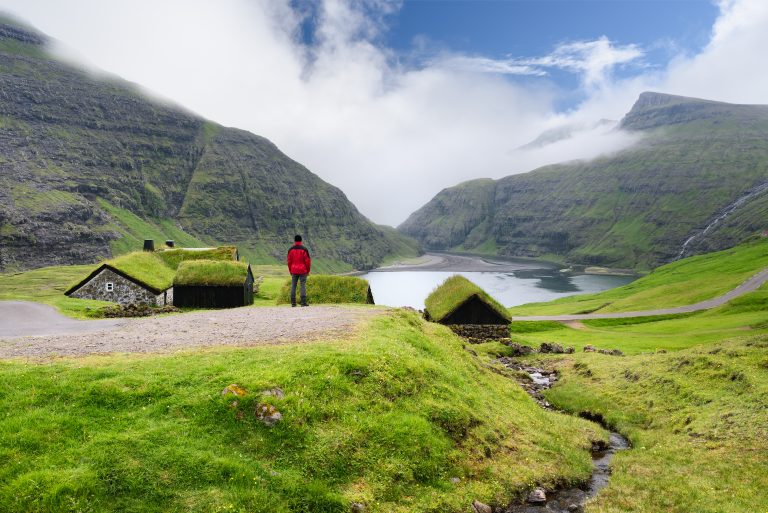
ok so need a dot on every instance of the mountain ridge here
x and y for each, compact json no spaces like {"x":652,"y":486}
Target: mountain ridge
{"x":634,"y":208}
{"x":89,"y":167}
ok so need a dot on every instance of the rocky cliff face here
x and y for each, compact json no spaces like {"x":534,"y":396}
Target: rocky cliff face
{"x":633,"y":209}
{"x":76,"y":151}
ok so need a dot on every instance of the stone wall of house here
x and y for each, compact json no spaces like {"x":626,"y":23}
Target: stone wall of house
{"x":481,"y":332}
{"x":165,"y":298}
{"x":124,"y":292}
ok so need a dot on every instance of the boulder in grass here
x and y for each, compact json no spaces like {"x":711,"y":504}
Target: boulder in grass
{"x":537,"y":496}
{"x":589,"y":348}
{"x":235,"y":390}
{"x":551,"y":347}
{"x":479,"y":507}
{"x":268,"y":414}
{"x":276,"y":392}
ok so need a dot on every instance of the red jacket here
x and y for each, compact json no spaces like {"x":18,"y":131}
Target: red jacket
{"x":298,"y":259}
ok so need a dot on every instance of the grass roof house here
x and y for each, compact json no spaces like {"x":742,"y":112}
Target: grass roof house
{"x":142,"y":277}
{"x":135,"y":278}
{"x":332,"y":289}
{"x":459,"y":302}
{"x":213,"y":284}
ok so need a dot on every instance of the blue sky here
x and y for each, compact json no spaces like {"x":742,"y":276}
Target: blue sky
{"x":518,"y":29}
{"x":393,"y":101}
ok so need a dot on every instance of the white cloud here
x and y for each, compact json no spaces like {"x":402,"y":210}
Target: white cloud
{"x":389,"y":135}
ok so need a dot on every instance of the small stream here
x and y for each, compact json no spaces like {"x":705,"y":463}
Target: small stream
{"x":565,"y":500}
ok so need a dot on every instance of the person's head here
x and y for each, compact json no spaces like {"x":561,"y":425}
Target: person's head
{"x":297,"y":238}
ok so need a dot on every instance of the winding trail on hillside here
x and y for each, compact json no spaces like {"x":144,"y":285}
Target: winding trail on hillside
{"x":32,"y":330}
{"x":750,"y":285}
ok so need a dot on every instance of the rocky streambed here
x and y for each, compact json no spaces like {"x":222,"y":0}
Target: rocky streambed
{"x":564,"y":500}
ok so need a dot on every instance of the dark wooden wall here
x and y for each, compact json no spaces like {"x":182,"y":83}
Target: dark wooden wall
{"x":474,"y":311}
{"x":213,"y":297}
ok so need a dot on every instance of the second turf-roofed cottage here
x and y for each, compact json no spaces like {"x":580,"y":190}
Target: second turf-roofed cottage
{"x":213,"y":284}
{"x":468,"y":309}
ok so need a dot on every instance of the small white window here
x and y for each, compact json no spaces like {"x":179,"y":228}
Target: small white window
{"x":110,"y":286}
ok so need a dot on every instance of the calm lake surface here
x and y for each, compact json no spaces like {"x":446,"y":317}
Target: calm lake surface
{"x":511,"y":282}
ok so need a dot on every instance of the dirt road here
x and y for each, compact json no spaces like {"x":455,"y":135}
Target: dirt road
{"x":57,"y":335}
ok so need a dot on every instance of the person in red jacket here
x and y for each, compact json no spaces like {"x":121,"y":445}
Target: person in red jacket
{"x":299,"y":265}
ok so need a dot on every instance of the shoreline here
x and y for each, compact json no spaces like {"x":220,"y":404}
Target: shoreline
{"x":466,"y":262}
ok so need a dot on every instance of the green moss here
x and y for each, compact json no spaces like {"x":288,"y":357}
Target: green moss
{"x":330,"y":289}
{"x":452,"y":293}
{"x":211,"y":272}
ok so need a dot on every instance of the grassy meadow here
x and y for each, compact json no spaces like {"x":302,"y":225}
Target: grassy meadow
{"x":47,"y":285}
{"x":697,"y":420}
{"x":399,"y":416}
{"x":683,"y":282}
{"x":387,"y":416}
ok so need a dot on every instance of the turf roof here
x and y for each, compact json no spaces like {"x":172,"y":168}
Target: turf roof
{"x":331,"y":289}
{"x":174,"y":257}
{"x":209,"y":273}
{"x":453,"y":293}
{"x":156,"y":270}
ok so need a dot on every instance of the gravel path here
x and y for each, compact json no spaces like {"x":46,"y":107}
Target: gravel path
{"x":22,"y":318}
{"x":750,"y":285}
{"x":236,"y":327}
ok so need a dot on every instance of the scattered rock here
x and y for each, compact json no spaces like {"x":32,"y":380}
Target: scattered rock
{"x":137,"y":310}
{"x":589,"y":349}
{"x":268,"y":414}
{"x":611,"y":352}
{"x":455,"y":480}
{"x":570,"y":350}
{"x":478,"y":333}
{"x":537,"y":496}
{"x":551,"y":347}
{"x":274,"y":392}
{"x":479,"y":507}
{"x":358,"y":507}
{"x":235,"y":390}
{"x":233,"y":404}
{"x":518,"y":349}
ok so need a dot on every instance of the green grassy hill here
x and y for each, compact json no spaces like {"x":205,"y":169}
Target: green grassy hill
{"x":89,"y":168}
{"x":684,"y":282}
{"x":386,"y":417}
{"x":696,"y":159}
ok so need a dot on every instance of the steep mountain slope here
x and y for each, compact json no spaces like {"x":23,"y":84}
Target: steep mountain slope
{"x":699,"y":174}
{"x":89,"y":167}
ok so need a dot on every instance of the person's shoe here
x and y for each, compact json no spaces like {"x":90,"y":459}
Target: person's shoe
{"x":293,"y":305}
{"x":304,"y":302}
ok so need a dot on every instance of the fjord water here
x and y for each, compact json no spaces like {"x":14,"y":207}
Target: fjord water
{"x":514,"y":283}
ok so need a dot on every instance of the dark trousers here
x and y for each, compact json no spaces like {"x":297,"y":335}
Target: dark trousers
{"x":301,"y":278}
